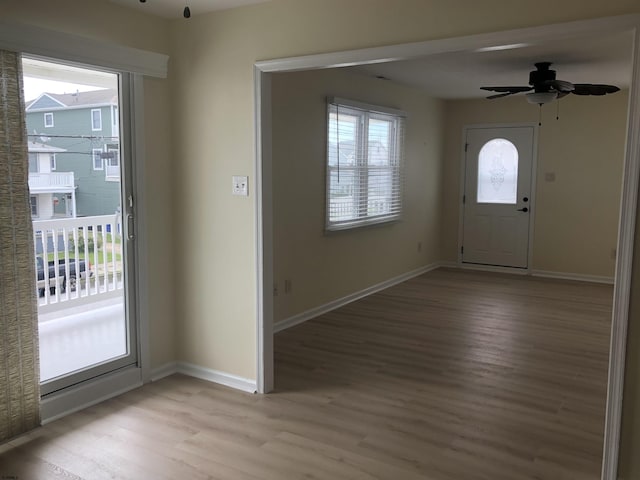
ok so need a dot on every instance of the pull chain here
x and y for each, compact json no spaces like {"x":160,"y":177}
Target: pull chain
{"x":540,"y":115}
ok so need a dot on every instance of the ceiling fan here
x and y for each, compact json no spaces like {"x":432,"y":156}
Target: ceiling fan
{"x":544,"y":87}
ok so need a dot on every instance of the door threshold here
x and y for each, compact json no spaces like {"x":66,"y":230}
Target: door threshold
{"x":78,"y":397}
{"x":494,"y":268}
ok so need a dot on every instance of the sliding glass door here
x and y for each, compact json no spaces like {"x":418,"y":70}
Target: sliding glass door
{"x":82,"y":204}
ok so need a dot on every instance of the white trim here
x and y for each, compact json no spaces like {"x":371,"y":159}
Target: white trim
{"x":622,"y":289}
{"x":93,"y":126}
{"x":93,"y":159}
{"x":46,"y":125}
{"x":29,"y":39}
{"x":407,"y":51}
{"x":163,"y":371}
{"x":573,"y":276}
{"x":74,"y":107}
{"x":629,"y":194}
{"x":138,"y":162}
{"x":216,"y":376}
{"x":341,"y":302}
{"x":365,"y":107}
{"x":86,"y":394}
{"x":33,"y":102}
{"x":579,"y":277}
{"x":263,"y":234}
{"x":533,"y":184}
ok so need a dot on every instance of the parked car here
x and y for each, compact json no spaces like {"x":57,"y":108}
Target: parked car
{"x":61,"y":272}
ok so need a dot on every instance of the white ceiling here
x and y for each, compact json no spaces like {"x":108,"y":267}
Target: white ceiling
{"x":174,"y":8}
{"x":602,"y":59}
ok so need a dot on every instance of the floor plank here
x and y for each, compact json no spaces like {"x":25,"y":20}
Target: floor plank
{"x":451,"y":375}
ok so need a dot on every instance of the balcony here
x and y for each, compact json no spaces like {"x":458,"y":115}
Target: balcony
{"x":112,"y":173}
{"x":91,"y":246}
{"x":80,"y":287}
{"x":51,"y":182}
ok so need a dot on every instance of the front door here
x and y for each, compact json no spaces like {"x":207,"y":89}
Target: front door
{"x":497,"y":201}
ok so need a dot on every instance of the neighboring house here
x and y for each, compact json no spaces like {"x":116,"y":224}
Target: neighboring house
{"x":86,"y":126}
{"x":52,"y":193}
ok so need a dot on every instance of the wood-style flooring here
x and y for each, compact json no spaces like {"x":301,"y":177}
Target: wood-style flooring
{"x":454,"y":375}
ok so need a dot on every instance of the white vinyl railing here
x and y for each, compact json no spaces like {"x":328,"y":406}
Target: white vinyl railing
{"x":51,"y":180}
{"x":112,"y":172}
{"x":78,"y":261}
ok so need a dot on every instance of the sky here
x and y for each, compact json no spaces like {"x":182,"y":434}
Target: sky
{"x":33,"y":87}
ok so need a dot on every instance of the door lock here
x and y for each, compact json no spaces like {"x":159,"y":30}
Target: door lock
{"x":525,"y":209}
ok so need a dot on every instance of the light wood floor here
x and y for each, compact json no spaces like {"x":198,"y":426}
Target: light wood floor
{"x":452,"y":375}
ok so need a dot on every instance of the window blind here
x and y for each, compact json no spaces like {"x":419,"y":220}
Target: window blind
{"x":364,"y":164}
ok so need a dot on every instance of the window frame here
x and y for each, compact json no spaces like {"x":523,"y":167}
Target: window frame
{"x":99,"y":152}
{"x":47,"y":124}
{"x":33,"y":157}
{"x":99,"y":118}
{"x":365,"y":113}
{"x":53,"y":162}
{"x":34,"y":204}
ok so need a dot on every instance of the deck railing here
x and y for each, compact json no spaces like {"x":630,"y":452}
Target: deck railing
{"x":40,"y":181}
{"x":78,"y":261}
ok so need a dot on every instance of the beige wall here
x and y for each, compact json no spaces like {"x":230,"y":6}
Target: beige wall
{"x":108,"y":22}
{"x":212,"y":94}
{"x":576,"y":220}
{"x":212,"y":138}
{"x":325,"y":267}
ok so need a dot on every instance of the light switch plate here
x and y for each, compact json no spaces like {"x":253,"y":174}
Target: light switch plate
{"x":240,"y":185}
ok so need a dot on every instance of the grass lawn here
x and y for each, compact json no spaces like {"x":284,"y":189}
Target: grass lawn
{"x":92,"y":258}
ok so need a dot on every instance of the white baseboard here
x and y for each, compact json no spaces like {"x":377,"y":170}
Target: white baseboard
{"x":573,"y":276}
{"x":534,"y":273}
{"x":215,"y":376}
{"x":164,"y":371}
{"x":327,"y":307}
{"x":196,"y":371}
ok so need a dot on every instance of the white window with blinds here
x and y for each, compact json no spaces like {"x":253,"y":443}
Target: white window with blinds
{"x":364,"y":164}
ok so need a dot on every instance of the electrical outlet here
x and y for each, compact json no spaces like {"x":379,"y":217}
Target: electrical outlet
{"x":240,"y":185}
{"x":287,"y":286}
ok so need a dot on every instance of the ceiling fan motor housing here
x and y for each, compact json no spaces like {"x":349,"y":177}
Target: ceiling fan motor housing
{"x":541,"y":78}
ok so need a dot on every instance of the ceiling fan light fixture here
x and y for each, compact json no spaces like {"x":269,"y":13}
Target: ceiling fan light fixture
{"x":540,"y":98}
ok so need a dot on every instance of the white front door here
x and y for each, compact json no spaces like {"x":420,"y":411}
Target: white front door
{"x":497,"y":198}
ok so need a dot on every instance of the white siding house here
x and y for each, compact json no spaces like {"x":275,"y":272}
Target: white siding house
{"x":47,"y":187}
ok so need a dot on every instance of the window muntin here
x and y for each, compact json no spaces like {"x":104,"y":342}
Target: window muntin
{"x":498,"y":172}
{"x":364,"y":166}
{"x":96,"y":119}
{"x":48,"y":120}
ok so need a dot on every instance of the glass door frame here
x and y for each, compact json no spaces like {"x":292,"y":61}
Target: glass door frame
{"x":128,"y":188}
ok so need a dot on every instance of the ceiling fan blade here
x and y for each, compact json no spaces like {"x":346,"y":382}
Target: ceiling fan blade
{"x":500,"y":95}
{"x":507,"y":89}
{"x":593,"y":89}
{"x":561,"y":86}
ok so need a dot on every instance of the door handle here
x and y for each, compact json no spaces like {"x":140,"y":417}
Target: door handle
{"x":130,"y":226}
{"x":525,"y":209}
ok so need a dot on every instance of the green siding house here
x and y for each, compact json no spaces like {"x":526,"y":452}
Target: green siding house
{"x":86,"y":126}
